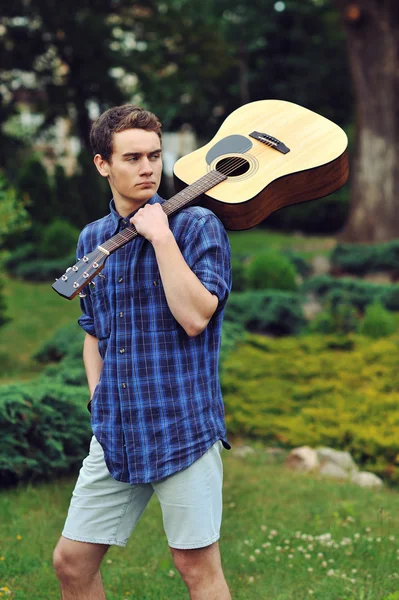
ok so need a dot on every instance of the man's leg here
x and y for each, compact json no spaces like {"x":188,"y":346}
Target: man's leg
{"x":77,"y":566}
{"x":201,"y":571}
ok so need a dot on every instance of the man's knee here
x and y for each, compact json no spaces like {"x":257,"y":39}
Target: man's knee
{"x":73,"y":561}
{"x":194,"y":565}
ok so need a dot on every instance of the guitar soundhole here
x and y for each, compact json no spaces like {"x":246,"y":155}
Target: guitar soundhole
{"x":234,"y":166}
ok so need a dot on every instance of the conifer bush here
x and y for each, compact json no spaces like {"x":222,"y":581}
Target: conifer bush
{"x":378,"y":322}
{"x":45,"y":430}
{"x":270,"y":311}
{"x":271,"y":270}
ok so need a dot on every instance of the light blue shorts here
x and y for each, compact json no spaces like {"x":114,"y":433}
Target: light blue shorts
{"x":105,"y":511}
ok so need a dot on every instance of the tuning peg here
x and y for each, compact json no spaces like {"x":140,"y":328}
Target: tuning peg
{"x":82,"y":295}
{"x":101,"y":275}
{"x":92,"y":284}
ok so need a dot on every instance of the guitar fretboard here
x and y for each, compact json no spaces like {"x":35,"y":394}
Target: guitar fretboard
{"x":178,"y":201}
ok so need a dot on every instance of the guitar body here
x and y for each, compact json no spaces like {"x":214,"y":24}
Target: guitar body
{"x":313,"y":163}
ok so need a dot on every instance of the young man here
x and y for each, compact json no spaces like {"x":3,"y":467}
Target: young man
{"x":153,"y":327}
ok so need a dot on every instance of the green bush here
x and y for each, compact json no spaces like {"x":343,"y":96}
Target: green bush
{"x":339,"y":290}
{"x":339,"y":318}
{"x":238,"y":274}
{"x":3,"y":306}
{"x":44,"y":270}
{"x":67,"y":341}
{"x":326,"y":215}
{"x":22,"y":254}
{"x":58,"y":240}
{"x":272,"y":312}
{"x":296,"y":391}
{"x":270,"y":270}
{"x":301,"y":265}
{"x":377,"y":322}
{"x":360,"y":259}
{"x":45,"y":430}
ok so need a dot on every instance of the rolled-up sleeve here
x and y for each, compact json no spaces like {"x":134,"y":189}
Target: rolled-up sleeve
{"x":207,"y":253}
{"x":86,"y":320}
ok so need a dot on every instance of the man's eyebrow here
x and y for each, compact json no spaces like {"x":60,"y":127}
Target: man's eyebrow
{"x":137,"y":154}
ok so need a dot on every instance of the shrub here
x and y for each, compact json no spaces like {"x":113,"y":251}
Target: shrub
{"x":339,"y":290}
{"x":67,"y":341}
{"x":45,"y":430}
{"x":271,"y":270}
{"x":326,"y":215}
{"x":58,"y":240}
{"x":360,"y":259}
{"x":44,"y":270}
{"x":20,"y":255}
{"x":238,"y":274}
{"x":296,"y":391}
{"x":272,"y":312}
{"x":339,"y":318}
{"x":301,"y":265}
{"x":3,"y":306}
{"x":377,"y":322}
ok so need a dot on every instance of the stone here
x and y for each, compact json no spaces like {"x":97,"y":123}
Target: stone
{"x":320,"y":265}
{"x":342,"y":459}
{"x":242,"y":451}
{"x":311,"y":307}
{"x":303,"y":458}
{"x":331,"y":469}
{"x":366,"y":479}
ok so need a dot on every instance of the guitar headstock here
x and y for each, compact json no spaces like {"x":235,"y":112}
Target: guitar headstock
{"x":77,"y":277}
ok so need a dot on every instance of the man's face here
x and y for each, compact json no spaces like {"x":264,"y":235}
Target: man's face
{"x":134,"y":171}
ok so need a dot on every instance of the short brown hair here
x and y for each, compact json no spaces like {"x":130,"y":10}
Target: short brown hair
{"x":119,"y":118}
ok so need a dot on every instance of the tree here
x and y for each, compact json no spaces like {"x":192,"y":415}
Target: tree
{"x":372,"y":28}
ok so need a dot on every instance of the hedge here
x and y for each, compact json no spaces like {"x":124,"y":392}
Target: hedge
{"x":360,"y":259}
{"x":45,"y":430}
{"x":273,"y":312}
{"x":297,"y":391}
{"x":354,"y":291}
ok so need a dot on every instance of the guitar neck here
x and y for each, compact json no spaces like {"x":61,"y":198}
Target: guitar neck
{"x":171,"y":206}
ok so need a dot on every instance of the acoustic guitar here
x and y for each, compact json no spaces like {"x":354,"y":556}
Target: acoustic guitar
{"x":266,"y":155}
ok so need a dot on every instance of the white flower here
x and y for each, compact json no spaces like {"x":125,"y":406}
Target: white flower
{"x":257,"y":551}
{"x":252,"y":558}
{"x":331,"y":572}
{"x":310,"y":570}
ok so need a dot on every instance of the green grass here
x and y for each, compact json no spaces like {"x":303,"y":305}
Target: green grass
{"x":36,"y":312}
{"x":273,"y":518}
{"x":258,"y":239}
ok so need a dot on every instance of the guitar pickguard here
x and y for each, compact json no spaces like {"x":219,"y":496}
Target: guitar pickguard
{"x":232,"y":144}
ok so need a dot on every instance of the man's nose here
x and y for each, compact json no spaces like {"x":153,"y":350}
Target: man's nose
{"x":145,"y":166}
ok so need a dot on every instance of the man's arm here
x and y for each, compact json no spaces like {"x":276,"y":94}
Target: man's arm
{"x":190,"y":302}
{"x":92,"y":361}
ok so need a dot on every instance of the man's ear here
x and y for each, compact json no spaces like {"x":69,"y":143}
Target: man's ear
{"x":102,"y":165}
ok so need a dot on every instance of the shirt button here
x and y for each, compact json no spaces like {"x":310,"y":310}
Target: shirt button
{"x":124,"y":386}
{"x":122,"y":350}
{"x":120,"y":279}
{"x":155,"y":282}
{"x":121,"y":314}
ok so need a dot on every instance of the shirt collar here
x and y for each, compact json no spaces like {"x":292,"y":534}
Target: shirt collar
{"x":120,"y":221}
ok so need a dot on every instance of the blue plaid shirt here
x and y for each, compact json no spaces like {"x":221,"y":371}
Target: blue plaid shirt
{"x":158,"y":406}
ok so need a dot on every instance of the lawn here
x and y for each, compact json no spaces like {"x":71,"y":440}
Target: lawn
{"x":285,"y":536}
{"x":36,"y":311}
{"x":258,"y":239}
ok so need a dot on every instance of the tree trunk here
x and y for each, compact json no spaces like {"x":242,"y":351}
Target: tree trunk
{"x":372,"y":28}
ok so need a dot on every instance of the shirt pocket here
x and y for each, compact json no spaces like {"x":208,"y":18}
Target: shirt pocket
{"x":101,"y":312}
{"x":150,"y":307}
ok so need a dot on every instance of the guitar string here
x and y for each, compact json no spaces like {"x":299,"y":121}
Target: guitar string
{"x":231,"y":164}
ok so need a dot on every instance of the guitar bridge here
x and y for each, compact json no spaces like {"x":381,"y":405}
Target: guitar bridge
{"x":269,"y":140}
